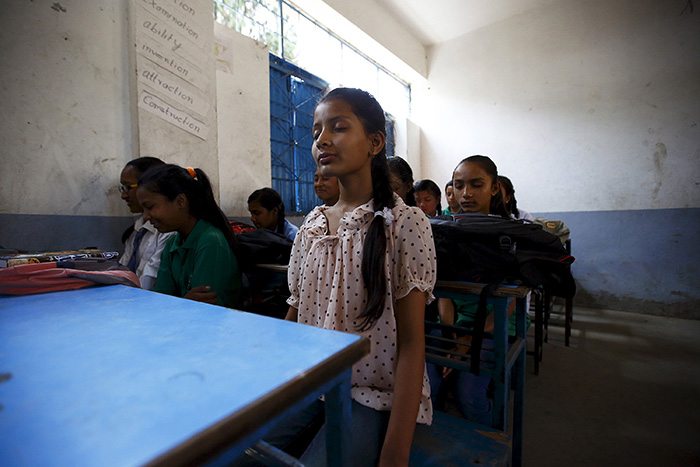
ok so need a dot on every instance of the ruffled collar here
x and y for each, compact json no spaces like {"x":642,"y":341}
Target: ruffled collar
{"x":353,"y":220}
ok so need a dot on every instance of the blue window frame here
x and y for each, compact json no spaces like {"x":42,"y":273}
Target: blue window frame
{"x":293,"y":97}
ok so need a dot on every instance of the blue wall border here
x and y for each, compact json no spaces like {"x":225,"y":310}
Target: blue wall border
{"x":643,"y":261}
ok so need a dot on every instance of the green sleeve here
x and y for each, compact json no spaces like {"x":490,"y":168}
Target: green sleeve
{"x":165,"y":282}
{"x":215,"y":265}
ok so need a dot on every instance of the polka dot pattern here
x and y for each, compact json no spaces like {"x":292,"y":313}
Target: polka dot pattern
{"x":326,"y":285}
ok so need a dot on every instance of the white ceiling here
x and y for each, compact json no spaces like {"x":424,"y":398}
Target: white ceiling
{"x":435,"y":21}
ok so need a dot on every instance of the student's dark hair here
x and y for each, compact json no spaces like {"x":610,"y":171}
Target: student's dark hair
{"x":141,"y":164}
{"x":371,"y":114}
{"x":490,"y":168}
{"x":512,"y":205}
{"x":170,"y":180}
{"x":432,"y":188}
{"x":270,"y":199}
{"x":400,"y":168}
{"x":449,"y":184}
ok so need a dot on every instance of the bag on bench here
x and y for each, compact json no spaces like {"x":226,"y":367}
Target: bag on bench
{"x":490,"y":249}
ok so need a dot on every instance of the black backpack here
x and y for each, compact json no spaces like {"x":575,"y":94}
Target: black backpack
{"x":262,"y":246}
{"x":490,"y":249}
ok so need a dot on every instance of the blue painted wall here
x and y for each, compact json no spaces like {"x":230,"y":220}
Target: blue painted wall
{"x":643,"y":260}
{"x":34,"y":232}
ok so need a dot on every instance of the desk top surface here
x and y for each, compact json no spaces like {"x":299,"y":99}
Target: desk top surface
{"x":120,"y":376}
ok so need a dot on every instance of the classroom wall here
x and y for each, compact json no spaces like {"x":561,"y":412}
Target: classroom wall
{"x":67,"y":128}
{"x":243,"y":102}
{"x":592,"y":109}
{"x":71,"y":120}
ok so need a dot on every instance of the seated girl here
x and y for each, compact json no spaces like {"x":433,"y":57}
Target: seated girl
{"x":267,"y":212}
{"x":509,"y":201}
{"x":401,"y":179}
{"x":427,"y":195}
{"x":326,"y":188}
{"x":475,"y":182}
{"x":198,"y":262}
{"x":143,"y":244}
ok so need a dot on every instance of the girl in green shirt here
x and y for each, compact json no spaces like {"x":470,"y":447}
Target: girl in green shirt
{"x":198,"y":262}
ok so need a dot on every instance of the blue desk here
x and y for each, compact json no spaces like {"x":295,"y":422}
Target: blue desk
{"x":508,"y":358}
{"x":122,"y":376}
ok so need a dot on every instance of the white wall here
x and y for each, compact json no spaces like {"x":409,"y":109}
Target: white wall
{"x":65,"y":123}
{"x":585,"y":105}
{"x":376,"y":22}
{"x":69,"y":120}
{"x":243,"y":102}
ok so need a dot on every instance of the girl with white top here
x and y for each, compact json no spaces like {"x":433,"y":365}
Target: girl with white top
{"x":367,"y":265}
{"x":143,"y":244}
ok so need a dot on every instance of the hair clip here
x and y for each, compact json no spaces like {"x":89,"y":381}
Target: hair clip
{"x":386,"y":214}
{"x":192,"y":172}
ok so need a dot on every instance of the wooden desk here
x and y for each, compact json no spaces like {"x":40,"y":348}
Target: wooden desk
{"x":122,"y":376}
{"x":509,"y":357}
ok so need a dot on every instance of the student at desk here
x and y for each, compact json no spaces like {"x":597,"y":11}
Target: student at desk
{"x":198,"y":262}
{"x":475,"y":185}
{"x":143,"y":244}
{"x":326,"y":188}
{"x":267,"y":212}
{"x":367,"y":265}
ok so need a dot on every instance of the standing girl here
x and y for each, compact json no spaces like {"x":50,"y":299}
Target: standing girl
{"x":198,"y":262}
{"x":367,"y":265}
{"x":143,"y":244}
{"x":428,"y":195}
{"x":267,"y":212}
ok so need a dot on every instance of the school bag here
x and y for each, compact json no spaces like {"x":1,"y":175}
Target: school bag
{"x":490,"y":249}
{"x":262,"y":246}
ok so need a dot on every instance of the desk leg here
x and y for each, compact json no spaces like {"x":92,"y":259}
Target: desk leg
{"x":519,"y":383}
{"x":501,"y":379}
{"x":338,"y":420}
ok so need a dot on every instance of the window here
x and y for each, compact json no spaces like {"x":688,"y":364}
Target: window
{"x":297,"y":41}
{"x":293,"y":96}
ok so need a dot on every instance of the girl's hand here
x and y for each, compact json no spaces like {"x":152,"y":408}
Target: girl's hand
{"x":202,"y":293}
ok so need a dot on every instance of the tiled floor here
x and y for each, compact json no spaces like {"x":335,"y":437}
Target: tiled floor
{"x":626,"y":392}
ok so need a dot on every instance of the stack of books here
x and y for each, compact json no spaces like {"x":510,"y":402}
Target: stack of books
{"x":16,"y":259}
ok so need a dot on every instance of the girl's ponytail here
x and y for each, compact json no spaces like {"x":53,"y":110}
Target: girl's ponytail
{"x":371,"y":114}
{"x":209,"y":210}
{"x":374,"y":248}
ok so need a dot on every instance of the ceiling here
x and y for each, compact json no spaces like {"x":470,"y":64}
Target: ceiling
{"x":435,"y":21}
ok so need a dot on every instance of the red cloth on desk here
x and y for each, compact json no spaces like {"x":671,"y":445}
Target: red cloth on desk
{"x":48,"y":277}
